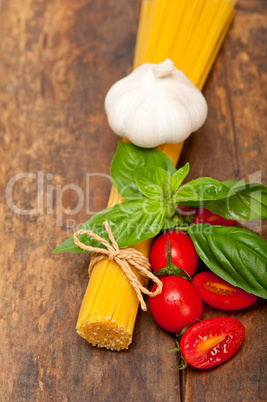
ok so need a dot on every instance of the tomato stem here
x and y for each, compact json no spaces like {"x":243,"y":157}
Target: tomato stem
{"x":180,"y":334}
{"x":181,"y":363}
{"x":172,"y":269}
{"x":182,"y":228}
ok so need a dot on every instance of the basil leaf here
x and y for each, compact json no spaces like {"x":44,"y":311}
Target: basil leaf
{"x":253,"y":196}
{"x":178,"y":177}
{"x":130,"y":222}
{"x":202,"y":189}
{"x":249,"y":202}
{"x":236,"y":255}
{"x":128,"y":157}
{"x":153,"y":181}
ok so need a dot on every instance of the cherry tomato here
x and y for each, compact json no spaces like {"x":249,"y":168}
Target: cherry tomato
{"x":188,"y":211}
{"x":183,"y":252}
{"x":177,"y":306}
{"x":205,"y":216}
{"x":218,"y":293}
{"x":211,"y":342}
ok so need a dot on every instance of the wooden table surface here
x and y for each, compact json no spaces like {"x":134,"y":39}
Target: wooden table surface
{"x":58,"y":60}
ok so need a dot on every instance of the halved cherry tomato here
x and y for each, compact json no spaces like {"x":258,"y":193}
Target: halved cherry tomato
{"x":218,"y":293}
{"x":205,"y":216}
{"x":177,"y":306}
{"x":183,"y":252}
{"x":211,"y":342}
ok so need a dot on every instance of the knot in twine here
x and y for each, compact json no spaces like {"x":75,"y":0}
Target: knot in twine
{"x":124,"y":257}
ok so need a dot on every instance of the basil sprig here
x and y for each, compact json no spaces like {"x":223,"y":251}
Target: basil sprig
{"x":152,"y":189}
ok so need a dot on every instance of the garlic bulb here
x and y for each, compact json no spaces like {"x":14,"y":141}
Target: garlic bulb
{"x":155,"y":104}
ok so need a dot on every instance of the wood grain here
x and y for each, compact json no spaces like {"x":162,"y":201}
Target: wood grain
{"x":58,"y":59}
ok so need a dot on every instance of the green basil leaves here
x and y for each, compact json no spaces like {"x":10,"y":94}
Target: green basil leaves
{"x":236,"y":255}
{"x":153,"y":189}
{"x":178,"y":177}
{"x":249,"y":202}
{"x":245,"y":201}
{"x":203,"y":189}
{"x":130,"y":222}
{"x":153,"y":182}
{"x":129,"y":157}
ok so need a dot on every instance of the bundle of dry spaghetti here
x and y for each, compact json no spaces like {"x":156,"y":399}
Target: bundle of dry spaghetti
{"x":189,"y":32}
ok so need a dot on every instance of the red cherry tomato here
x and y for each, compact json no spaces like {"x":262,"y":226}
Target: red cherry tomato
{"x":205,"y":216}
{"x":211,"y":342}
{"x":218,"y":293}
{"x":183,"y":252}
{"x":188,"y":211}
{"x":177,"y":306}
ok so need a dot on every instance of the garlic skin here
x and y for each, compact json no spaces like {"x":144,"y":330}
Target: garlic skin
{"x":155,"y":104}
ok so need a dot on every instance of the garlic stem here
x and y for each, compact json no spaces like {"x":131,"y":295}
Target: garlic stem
{"x":162,"y":69}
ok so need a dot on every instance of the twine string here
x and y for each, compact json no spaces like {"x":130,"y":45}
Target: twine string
{"x":126,"y":258}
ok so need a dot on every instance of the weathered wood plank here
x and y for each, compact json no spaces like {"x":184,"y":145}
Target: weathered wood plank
{"x":233,"y":144}
{"x":58,"y":59}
